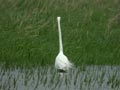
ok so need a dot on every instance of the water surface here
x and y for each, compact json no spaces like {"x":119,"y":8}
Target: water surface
{"x":46,"y":78}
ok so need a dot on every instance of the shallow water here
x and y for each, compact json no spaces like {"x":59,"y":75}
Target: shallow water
{"x":46,"y":78}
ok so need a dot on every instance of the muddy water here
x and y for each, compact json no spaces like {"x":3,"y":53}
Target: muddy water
{"x":46,"y":78}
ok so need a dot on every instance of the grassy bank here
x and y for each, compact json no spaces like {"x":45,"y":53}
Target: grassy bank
{"x":29,"y":35}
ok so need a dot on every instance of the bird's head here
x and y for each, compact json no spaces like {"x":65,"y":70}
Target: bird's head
{"x":58,"y":18}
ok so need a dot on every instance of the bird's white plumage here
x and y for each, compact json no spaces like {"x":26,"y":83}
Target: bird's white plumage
{"x":61,"y":61}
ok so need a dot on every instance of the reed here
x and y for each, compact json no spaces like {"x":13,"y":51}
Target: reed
{"x":29,"y":37}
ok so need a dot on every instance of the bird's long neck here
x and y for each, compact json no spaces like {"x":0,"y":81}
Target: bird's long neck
{"x":60,"y":37}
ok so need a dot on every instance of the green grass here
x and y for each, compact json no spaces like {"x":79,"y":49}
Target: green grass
{"x":29,"y":35}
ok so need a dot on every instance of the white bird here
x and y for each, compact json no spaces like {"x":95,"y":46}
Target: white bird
{"x":62,"y":64}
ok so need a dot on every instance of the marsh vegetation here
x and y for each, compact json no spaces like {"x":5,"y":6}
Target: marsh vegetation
{"x":29,"y":44}
{"x":29,"y":35}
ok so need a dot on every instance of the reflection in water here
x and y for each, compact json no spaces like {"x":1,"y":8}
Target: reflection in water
{"x":46,"y":78}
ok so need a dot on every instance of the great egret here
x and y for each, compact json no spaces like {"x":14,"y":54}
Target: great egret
{"x":62,"y":64}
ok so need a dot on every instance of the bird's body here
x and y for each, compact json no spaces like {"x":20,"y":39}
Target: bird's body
{"x":62,"y":64}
